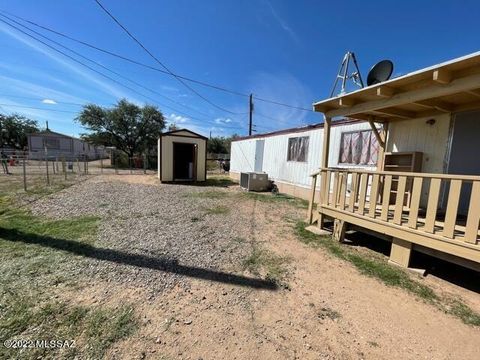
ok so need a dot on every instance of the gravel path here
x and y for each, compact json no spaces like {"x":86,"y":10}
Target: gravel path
{"x":154,"y":235}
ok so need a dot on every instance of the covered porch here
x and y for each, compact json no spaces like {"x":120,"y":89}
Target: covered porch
{"x":437,"y":213}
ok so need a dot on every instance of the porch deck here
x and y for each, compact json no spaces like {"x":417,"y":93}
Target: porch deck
{"x":390,"y":203}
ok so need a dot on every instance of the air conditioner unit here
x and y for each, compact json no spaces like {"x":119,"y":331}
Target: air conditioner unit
{"x":254,"y":181}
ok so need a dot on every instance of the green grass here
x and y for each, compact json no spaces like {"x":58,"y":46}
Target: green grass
{"x":274,"y":266}
{"x":389,"y":275}
{"x":32,"y":268}
{"x":465,"y":313}
{"x":218,"y":210}
{"x":272,"y":198}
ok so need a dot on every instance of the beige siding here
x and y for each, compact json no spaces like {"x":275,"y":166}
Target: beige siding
{"x":166,"y":155}
{"x":417,"y":135}
{"x":431,"y":140}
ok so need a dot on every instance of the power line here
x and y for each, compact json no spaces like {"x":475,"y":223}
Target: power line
{"x":105,"y":67}
{"x":96,"y":71}
{"x":39,"y":99}
{"x":37,"y":108}
{"x":161,"y":63}
{"x":122,"y":57}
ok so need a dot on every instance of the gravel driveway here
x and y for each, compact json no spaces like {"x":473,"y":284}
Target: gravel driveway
{"x":146,"y":228}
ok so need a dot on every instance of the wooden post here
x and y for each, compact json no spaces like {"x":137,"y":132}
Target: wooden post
{"x":324,"y":164}
{"x":326,"y":142}
{"x":382,"y":147}
{"x":339,"y":228}
{"x":312,"y":199}
{"x":400,"y":253}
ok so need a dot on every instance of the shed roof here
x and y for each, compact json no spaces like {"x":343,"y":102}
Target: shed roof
{"x":176,"y":133}
{"x":448,"y":87}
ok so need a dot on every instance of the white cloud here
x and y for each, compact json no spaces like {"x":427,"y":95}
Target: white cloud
{"x":222,"y":120}
{"x":283,"y":24}
{"x":102,"y":85}
{"x":49,"y":101}
{"x":177,"y":119}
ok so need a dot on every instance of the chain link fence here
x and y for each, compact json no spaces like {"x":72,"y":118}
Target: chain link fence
{"x":30,"y":172}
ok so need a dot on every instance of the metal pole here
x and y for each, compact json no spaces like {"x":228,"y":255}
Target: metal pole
{"x":130,"y":164}
{"x":64,"y":167}
{"x":24,"y":173}
{"x":46,"y":165}
{"x":250,"y":121}
{"x":78,"y":165}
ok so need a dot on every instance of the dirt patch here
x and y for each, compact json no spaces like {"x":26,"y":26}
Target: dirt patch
{"x":217,"y":293}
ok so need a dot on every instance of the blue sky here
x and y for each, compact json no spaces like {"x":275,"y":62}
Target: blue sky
{"x":287,"y":51}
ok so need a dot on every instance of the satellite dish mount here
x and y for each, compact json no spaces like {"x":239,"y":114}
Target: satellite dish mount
{"x":343,"y":74}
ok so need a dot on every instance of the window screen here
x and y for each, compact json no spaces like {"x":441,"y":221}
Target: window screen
{"x":51,"y":143}
{"x":359,"y":148}
{"x":298,"y":149}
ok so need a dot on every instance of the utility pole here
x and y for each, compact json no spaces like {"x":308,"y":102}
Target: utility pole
{"x":250,"y":121}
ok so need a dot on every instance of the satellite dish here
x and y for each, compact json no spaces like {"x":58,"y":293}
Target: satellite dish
{"x":380,"y":72}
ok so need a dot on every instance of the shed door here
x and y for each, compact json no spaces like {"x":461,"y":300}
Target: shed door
{"x":464,"y":159}
{"x":259,"y":145}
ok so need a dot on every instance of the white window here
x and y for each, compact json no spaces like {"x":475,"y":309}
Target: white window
{"x":298,"y":149}
{"x":358,"y":148}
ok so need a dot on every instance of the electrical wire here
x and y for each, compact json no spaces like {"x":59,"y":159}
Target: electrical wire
{"x":122,"y":57}
{"x":161,"y":63}
{"x":37,"y":108}
{"x":100,"y":73}
{"x":105,"y":67}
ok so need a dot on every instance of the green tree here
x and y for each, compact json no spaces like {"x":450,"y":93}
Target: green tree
{"x":14,"y":130}
{"x":172,"y":127}
{"x":130,"y":128}
{"x":220,"y":144}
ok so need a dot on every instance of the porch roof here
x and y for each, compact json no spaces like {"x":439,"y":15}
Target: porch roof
{"x":448,"y":87}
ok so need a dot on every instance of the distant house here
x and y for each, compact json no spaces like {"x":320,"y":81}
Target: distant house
{"x":58,"y":145}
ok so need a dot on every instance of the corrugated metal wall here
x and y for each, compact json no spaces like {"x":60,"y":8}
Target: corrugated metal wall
{"x":275,"y":162}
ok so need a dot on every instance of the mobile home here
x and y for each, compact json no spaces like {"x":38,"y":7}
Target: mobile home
{"x":56,"y":145}
{"x":289,"y":156}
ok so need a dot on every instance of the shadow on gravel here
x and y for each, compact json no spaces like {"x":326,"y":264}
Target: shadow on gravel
{"x":143,"y":261}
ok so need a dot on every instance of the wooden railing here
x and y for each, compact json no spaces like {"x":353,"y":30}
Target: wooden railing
{"x":409,"y":200}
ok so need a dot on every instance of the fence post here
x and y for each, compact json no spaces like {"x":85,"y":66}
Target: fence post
{"x":115,"y":161}
{"x":78,"y":164}
{"x":130,"y":160}
{"x":24,"y":173}
{"x":46,"y":165}
{"x":64,"y":167}
{"x":144,"y":163}
{"x":101,"y":165}
{"x":56,"y":164}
